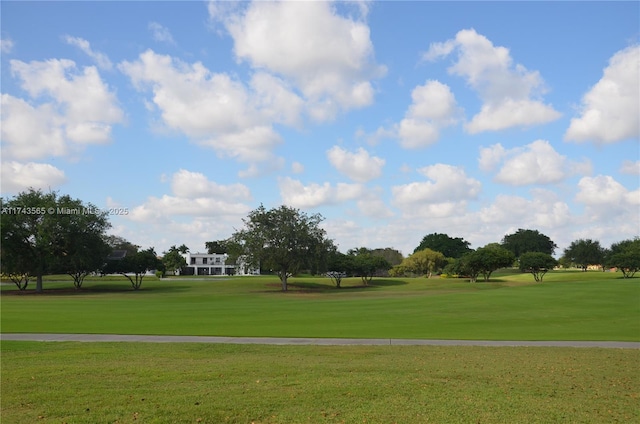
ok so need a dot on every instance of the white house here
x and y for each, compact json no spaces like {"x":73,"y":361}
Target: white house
{"x":215,"y":264}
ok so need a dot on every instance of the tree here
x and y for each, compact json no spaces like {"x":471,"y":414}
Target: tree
{"x":470,"y":265}
{"x":424,"y":262}
{"x":84,"y":253}
{"x":183,"y":248}
{"x":339,"y":266}
{"x":120,"y":243}
{"x":391,"y":255}
{"x":134,"y":267}
{"x":366,"y":264}
{"x":218,"y":246}
{"x":173,"y":260}
{"x":450,"y":247}
{"x":625,"y":256}
{"x":42,"y":232}
{"x":282,"y":239}
{"x":585,"y":252}
{"x":493,"y":257}
{"x":537,"y":263}
{"x":523,"y":241}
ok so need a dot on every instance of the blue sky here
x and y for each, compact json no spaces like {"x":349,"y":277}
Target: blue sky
{"x":392,"y":119}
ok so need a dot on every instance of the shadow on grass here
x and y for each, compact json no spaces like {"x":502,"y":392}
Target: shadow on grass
{"x":330,"y":287}
{"x":93,"y":289}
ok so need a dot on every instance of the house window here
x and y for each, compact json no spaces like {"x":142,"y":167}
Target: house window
{"x":204,"y":261}
{"x":217,"y":260}
{"x":193,"y":261}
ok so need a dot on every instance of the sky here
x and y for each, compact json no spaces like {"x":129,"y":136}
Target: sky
{"x":393,"y":120}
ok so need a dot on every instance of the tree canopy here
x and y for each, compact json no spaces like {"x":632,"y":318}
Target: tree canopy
{"x":450,"y":247}
{"x":366,"y":264}
{"x":284,"y":240}
{"x":523,"y":241}
{"x":135,"y":267}
{"x":485,"y":260}
{"x":423,"y":262}
{"x":217,"y":246}
{"x":585,"y":252}
{"x":625,"y":256}
{"x":172,"y":260}
{"x":46,"y":232}
{"x":537,"y":263}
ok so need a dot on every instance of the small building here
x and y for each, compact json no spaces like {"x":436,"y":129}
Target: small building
{"x":215,"y":264}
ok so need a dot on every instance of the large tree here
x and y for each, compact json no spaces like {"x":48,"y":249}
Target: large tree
{"x":493,"y":257}
{"x":173,"y":260}
{"x":424,"y":262}
{"x":625,"y":256}
{"x":523,"y":241}
{"x":42,"y":232}
{"x":366,"y":264}
{"x":284,"y":240}
{"x":339,"y":266}
{"x":135,"y":267}
{"x":585,"y":252}
{"x":391,"y":255}
{"x":120,"y":243}
{"x":537,"y":263}
{"x":450,"y":247}
{"x":216,"y":247}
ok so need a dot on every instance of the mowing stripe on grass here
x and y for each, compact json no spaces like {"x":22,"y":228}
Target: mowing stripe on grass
{"x":307,"y":341}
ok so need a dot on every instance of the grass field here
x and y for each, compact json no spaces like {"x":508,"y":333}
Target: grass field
{"x":199,"y":383}
{"x":566,"y":306}
{"x":64,"y":382}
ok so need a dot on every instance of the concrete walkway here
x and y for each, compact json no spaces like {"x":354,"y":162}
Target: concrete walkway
{"x":306,"y":341}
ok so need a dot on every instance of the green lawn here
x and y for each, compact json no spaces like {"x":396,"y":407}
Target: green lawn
{"x":566,"y":306}
{"x":199,"y":383}
{"x":63,"y":382}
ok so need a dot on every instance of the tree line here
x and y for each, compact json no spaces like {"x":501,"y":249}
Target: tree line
{"x":47,"y":233}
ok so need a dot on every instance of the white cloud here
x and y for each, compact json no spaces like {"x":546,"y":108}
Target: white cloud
{"x":6,"y":45}
{"x":212,"y":108}
{"x":160,"y":33}
{"x":372,"y":205}
{"x":194,"y":195}
{"x":604,"y":192}
{"x":610,"y":209}
{"x":82,"y":110}
{"x":448,"y":184}
{"x":630,"y":167}
{"x":276,"y":99}
{"x":544,"y":211}
{"x":327,"y":57}
{"x":359,"y":166}
{"x":297,"y":168}
{"x":610,"y":110}
{"x":163,"y":208}
{"x":509,"y":92}
{"x":433,"y":107}
{"x":17,"y":176}
{"x":31,"y":132}
{"x":296,"y":194}
{"x":375,"y":137}
{"x":101,"y":59}
{"x":190,"y":185}
{"x":535,"y":163}
{"x":490,"y":157}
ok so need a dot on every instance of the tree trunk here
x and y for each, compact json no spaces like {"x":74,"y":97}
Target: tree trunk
{"x":39,"y":283}
{"x":283,"y":280}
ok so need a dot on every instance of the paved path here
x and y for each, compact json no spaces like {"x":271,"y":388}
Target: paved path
{"x":304,"y":341}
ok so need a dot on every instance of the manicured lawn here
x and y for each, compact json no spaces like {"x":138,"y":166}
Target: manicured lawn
{"x":566,"y":306}
{"x":191,"y":383}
